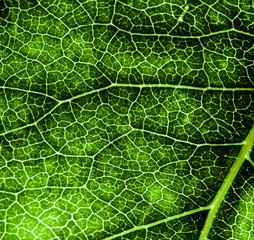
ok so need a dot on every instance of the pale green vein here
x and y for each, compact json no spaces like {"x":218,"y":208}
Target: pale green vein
{"x":33,"y":123}
{"x":85,"y":94}
{"x":156,"y":223}
{"x":189,"y":142}
{"x":246,"y":148}
{"x":28,"y":91}
{"x":184,"y":36}
{"x":60,"y":102}
{"x":250,"y":161}
{"x":183,"y":87}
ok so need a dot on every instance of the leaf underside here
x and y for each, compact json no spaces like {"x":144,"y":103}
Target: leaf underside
{"x":126,"y":119}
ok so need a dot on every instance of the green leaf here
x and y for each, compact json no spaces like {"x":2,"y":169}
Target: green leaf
{"x":126,"y":119}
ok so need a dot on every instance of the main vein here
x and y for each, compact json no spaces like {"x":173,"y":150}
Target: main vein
{"x":246,"y":148}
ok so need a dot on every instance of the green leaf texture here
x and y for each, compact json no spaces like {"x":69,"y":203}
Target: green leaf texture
{"x":126,"y":119}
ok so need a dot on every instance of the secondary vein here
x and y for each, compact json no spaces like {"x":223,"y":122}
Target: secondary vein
{"x":156,"y":223}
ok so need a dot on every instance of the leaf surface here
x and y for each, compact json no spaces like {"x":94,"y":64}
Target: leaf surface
{"x":126,"y":119}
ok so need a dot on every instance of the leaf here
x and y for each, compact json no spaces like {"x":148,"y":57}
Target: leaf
{"x":126,"y":119}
